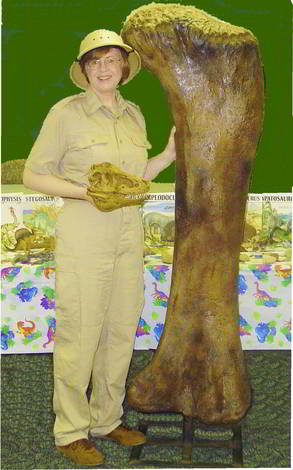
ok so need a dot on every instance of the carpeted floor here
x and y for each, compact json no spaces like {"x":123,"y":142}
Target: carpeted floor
{"x":27,"y":417}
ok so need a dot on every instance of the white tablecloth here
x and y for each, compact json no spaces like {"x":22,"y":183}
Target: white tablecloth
{"x":28,"y":290}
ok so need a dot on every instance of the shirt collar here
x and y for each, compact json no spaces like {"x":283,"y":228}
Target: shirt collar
{"x":92,"y":102}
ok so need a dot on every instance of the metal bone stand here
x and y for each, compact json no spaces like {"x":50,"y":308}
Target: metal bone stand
{"x":188,"y":442}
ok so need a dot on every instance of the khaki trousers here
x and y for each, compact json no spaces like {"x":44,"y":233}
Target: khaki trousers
{"x":99,"y":298}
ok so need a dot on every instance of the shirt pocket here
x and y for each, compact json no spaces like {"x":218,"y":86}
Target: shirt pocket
{"x":84,"y":150}
{"x":136,"y":159}
{"x":85,"y":141}
{"x":141,"y":141}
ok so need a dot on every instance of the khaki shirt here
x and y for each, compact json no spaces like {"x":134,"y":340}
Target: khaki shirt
{"x":79,"y":131}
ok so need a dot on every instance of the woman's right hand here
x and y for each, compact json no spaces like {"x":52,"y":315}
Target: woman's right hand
{"x":52,"y":185}
{"x":88,"y":198}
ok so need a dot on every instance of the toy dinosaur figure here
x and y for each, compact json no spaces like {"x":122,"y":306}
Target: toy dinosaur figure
{"x":51,"y":331}
{"x":26,"y":330}
{"x":261,"y":294}
{"x":111,"y":188}
{"x":158,"y":294}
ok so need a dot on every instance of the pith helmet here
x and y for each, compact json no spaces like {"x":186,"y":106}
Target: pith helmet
{"x":99,"y":38}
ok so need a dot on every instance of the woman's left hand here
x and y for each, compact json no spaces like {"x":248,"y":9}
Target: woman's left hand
{"x":170,"y":150}
{"x":159,"y":163}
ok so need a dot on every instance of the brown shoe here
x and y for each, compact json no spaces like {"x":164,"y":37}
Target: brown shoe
{"x":125,"y":436}
{"x":82,"y":452}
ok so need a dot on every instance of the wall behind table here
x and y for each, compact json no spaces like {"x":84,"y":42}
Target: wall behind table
{"x":41,"y":39}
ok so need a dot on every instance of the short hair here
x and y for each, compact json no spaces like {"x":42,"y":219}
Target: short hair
{"x":100,"y":52}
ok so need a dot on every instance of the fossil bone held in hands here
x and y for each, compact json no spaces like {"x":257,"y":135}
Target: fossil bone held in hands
{"x":111,"y":188}
{"x":213,"y":76}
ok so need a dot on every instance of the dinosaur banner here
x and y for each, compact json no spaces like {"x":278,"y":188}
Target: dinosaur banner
{"x":28,"y":228}
{"x":28,"y":271}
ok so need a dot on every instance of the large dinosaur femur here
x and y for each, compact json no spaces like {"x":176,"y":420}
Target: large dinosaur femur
{"x":213,"y":76}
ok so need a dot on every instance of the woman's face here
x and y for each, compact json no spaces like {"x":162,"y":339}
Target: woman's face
{"x":104,"y":72}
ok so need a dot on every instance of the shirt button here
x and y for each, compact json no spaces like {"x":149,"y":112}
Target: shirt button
{"x":120,"y":141}
{"x":123,"y":162}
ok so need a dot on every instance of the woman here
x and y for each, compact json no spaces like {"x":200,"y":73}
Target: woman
{"x":99,"y":255}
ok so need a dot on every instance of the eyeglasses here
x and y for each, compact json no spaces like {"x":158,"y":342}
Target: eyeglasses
{"x":108,"y":62}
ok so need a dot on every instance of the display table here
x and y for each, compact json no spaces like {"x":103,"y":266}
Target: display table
{"x":28,"y":280}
